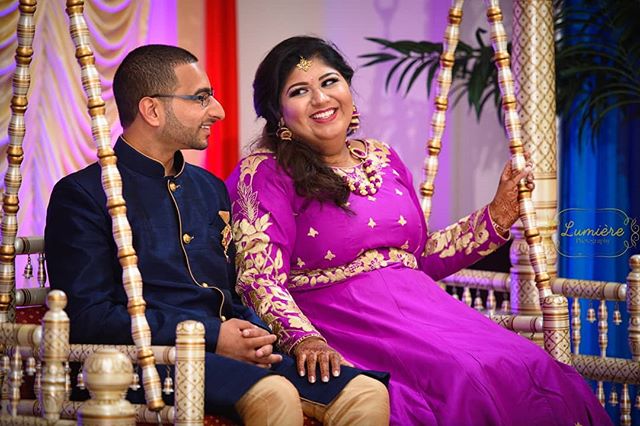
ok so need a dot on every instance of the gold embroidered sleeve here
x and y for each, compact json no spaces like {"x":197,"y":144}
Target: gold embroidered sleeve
{"x":262,"y":233}
{"x":460,"y":245}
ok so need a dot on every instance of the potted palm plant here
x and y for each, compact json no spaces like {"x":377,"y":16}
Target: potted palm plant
{"x":597,"y":63}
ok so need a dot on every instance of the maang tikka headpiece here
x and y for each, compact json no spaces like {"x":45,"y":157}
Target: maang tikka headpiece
{"x":304,"y":64}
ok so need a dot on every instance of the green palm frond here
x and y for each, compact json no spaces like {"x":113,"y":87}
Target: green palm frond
{"x":597,"y":63}
{"x":597,"y":60}
{"x":472,"y":72}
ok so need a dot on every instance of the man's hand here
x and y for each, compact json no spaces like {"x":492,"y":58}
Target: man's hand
{"x":314,"y":351}
{"x":243,"y":341}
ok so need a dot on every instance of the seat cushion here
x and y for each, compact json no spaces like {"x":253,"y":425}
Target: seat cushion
{"x":30,"y":314}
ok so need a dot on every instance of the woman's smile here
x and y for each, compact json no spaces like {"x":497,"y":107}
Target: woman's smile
{"x":316,"y":106}
{"x":325,"y":115}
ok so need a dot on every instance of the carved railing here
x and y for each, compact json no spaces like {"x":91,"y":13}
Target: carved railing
{"x":44,"y":352}
{"x":621,"y":373}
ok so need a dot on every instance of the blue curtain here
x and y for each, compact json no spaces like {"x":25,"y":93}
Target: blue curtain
{"x":595,"y":175}
{"x":601,"y":171}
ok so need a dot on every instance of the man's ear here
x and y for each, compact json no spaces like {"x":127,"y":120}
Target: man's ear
{"x":149,"y":111}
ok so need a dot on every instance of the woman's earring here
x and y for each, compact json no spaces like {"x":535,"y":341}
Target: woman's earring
{"x":283,"y":133}
{"x":354,"y":125}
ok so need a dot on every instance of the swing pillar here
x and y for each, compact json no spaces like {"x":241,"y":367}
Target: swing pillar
{"x":533,"y":62}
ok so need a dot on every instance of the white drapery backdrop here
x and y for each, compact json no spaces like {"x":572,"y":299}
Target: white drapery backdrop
{"x":58,"y":131}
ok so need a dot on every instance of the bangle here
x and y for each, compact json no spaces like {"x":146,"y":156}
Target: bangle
{"x":501,"y":229}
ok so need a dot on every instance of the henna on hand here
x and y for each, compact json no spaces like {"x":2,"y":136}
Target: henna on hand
{"x":315,"y":351}
{"x":504,"y":209}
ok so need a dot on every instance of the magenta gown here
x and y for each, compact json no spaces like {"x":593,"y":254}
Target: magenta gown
{"x":365,"y":282}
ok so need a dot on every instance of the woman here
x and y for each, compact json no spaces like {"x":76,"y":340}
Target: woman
{"x":333,"y":253}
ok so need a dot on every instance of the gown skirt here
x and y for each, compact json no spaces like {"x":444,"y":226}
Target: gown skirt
{"x":449,"y":364}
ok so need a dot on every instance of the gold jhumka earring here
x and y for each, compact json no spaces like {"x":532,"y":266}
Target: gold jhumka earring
{"x":283,"y":133}
{"x":354,"y":124}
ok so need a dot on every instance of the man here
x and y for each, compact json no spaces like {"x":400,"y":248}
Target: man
{"x":179,"y":215}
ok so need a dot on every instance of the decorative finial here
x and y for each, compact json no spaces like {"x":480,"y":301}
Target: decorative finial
{"x":304,"y":64}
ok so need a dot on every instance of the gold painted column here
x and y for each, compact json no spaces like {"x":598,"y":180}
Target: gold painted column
{"x":54,"y":352}
{"x":533,"y":60}
{"x":189,"y":369}
{"x":534,"y":69}
{"x":116,"y":204}
{"x":633,"y":306}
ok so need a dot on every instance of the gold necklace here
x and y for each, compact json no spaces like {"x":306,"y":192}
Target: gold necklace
{"x":364,"y":179}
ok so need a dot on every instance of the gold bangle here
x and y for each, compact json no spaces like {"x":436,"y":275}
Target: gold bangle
{"x":501,"y":229}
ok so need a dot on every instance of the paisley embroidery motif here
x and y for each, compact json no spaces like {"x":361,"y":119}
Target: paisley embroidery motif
{"x":226,"y":232}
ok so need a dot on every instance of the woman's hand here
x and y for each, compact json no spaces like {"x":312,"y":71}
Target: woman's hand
{"x":504,"y":208}
{"x":313,"y":351}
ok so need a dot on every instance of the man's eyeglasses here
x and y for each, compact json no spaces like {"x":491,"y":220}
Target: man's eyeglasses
{"x":203,"y":98}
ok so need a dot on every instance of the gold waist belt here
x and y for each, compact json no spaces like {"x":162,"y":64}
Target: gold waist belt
{"x":368,"y":261}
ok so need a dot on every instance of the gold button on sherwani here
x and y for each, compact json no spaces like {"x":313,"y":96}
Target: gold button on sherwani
{"x":187,"y":238}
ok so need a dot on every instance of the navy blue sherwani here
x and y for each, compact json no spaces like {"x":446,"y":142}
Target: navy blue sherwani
{"x":180,"y":233}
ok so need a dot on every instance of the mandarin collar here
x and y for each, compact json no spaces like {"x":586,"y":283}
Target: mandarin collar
{"x":137,"y":161}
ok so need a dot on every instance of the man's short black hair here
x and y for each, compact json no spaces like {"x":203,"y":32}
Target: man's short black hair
{"x":145,"y":71}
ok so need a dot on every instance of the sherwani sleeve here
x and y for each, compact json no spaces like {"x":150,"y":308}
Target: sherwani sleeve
{"x":457,"y":246}
{"x":264,"y":234}
{"x":82,"y":261}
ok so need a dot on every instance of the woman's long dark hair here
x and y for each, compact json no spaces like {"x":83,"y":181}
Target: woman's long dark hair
{"x":312,"y":178}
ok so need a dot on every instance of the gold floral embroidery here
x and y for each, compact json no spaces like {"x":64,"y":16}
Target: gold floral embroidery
{"x":261,"y":270}
{"x":368,"y":261}
{"x":492,"y":247}
{"x":329,"y":256}
{"x":312,"y":233}
{"x":226,"y":237}
{"x":377,"y":158}
{"x":261,"y":274}
{"x":402,"y":221}
{"x":467,"y":235}
{"x":372,"y":223}
{"x":398,"y":192}
{"x":379,"y":153}
{"x":247,"y":203}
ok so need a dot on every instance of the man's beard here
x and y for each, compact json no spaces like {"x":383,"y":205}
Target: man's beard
{"x":175,"y":131}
